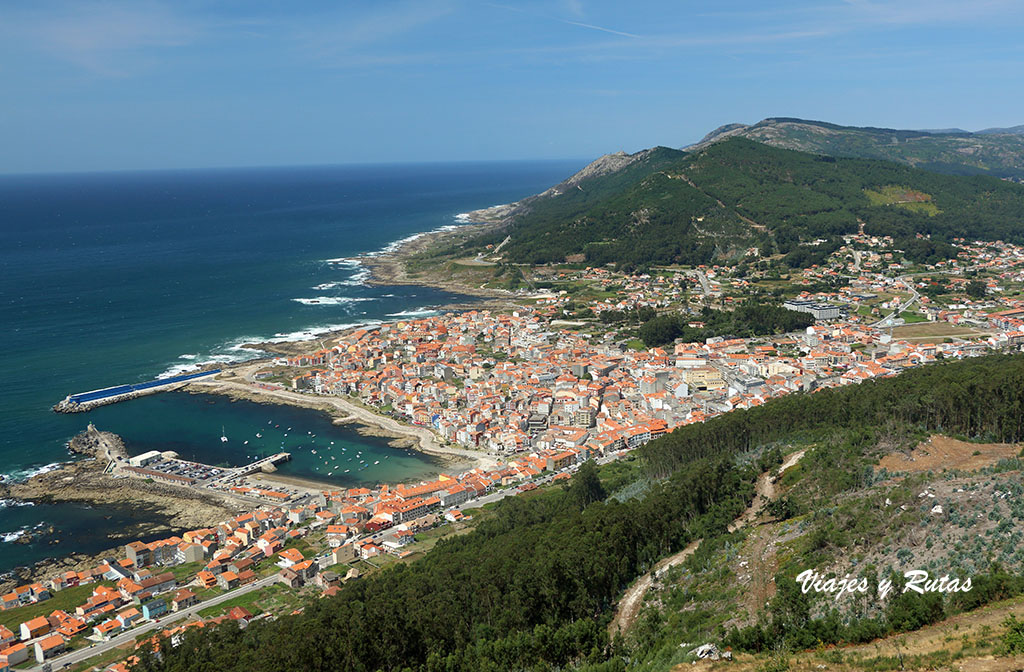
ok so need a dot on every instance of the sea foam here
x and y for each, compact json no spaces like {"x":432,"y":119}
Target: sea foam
{"x":333,"y":300}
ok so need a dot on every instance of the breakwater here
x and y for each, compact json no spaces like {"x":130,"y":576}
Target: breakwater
{"x":84,"y":401}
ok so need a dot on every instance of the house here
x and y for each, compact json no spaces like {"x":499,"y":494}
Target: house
{"x":183,"y":599}
{"x":343,"y":554}
{"x":107,"y":628}
{"x":153,"y":609}
{"x":6,"y":637}
{"x":14,"y":654}
{"x":240,"y":614}
{"x":289,"y":578}
{"x":328,"y":579}
{"x":128,"y":617}
{"x":34,"y":628}
{"x":227,"y":580}
{"x":246,"y":577}
{"x":289,"y":557}
{"x":48,"y":647}
{"x":305,"y":569}
{"x":206,"y":579}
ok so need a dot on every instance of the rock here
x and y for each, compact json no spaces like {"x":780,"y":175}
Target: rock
{"x":707,"y":651}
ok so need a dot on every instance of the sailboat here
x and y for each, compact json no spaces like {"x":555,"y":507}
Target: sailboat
{"x":223,"y":435}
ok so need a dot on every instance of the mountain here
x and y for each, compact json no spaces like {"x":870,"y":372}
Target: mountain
{"x":994,"y":151}
{"x":729,"y":194}
{"x":1012,"y":130}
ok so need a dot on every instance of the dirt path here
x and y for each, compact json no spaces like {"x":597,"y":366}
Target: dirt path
{"x":629,"y":606}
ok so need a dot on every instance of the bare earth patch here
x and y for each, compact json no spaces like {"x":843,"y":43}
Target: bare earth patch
{"x":926,"y":332}
{"x":941,"y":452}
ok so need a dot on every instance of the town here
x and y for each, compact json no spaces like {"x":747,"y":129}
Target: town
{"x":560,"y":379}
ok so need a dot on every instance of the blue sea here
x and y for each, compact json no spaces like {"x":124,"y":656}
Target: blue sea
{"x":109,"y":278}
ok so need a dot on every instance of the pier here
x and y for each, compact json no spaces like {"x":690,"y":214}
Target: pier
{"x":253,"y":467}
{"x":84,"y":401}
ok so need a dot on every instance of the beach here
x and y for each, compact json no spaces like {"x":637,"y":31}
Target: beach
{"x":236,"y":383}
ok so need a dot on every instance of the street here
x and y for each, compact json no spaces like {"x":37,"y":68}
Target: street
{"x":130,"y":635}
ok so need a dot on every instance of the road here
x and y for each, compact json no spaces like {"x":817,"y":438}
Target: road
{"x":428,"y":440}
{"x":914,"y":296}
{"x":705,"y":286}
{"x":78,"y":656}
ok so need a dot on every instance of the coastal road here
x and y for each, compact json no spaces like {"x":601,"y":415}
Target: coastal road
{"x":80,"y":655}
{"x":428,"y":441}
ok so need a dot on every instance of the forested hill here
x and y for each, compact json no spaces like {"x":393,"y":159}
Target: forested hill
{"x":995,"y":151}
{"x":533,"y":586}
{"x":670,"y":206}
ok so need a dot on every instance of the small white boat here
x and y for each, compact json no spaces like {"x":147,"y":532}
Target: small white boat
{"x":245,"y":443}
{"x":223,"y":435}
{"x":258,"y":435}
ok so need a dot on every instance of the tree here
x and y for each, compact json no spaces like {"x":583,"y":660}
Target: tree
{"x":585,"y":487}
{"x":976,"y":289}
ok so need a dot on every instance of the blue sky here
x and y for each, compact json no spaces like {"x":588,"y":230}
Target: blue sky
{"x":147,"y":84}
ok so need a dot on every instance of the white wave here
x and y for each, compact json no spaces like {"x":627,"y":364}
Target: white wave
{"x":188,"y":357}
{"x":388,"y":296}
{"x":227,"y":353}
{"x":25,"y":474}
{"x":4,"y":503}
{"x":8,"y":537}
{"x":344,"y":262}
{"x":463,"y":218}
{"x":358,"y":278}
{"x":326,"y":285}
{"x":425,"y":311}
{"x":333,"y":300}
{"x":313,"y":332}
{"x":393,"y":246}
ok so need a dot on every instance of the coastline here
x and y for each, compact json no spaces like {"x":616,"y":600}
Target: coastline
{"x":343,"y":411}
{"x":163,"y":508}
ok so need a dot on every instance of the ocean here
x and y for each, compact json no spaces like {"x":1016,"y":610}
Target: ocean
{"x":108,"y":278}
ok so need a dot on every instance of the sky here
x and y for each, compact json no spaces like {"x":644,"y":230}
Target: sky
{"x":142,"y":84}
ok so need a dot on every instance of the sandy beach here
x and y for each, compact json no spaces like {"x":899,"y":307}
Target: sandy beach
{"x":344,"y":411}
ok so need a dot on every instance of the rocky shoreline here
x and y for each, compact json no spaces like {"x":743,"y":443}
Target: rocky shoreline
{"x":161,"y":507}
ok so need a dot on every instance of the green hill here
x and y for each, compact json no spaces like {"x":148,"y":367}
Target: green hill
{"x":995,"y":151}
{"x":718,"y":201}
{"x":535,"y":585}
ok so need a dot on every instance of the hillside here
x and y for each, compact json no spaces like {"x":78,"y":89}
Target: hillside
{"x":717,"y":202}
{"x":536,"y":584}
{"x":994,"y":151}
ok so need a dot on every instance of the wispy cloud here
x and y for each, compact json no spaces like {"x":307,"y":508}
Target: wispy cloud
{"x":104,"y":37}
{"x":577,"y":10}
{"x":604,"y":30}
{"x":344,"y":37}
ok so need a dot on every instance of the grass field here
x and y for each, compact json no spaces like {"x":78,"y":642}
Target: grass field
{"x":932,"y":331}
{"x":901,"y":197}
{"x":64,"y":600}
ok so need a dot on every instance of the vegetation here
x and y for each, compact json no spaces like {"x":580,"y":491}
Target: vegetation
{"x":65,"y":600}
{"x":670,"y":206}
{"x":750,"y":319}
{"x":532,"y":586}
{"x":991,"y":153}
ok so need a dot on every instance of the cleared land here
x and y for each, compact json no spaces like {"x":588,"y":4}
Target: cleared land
{"x":942,"y":452}
{"x":932,"y":331}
